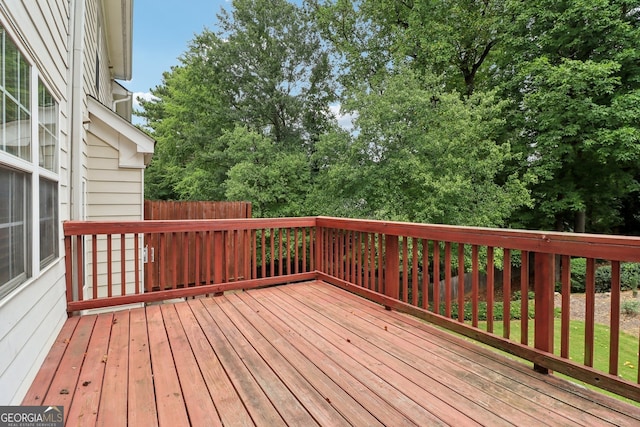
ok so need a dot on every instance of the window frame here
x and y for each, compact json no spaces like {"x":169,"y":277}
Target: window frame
{"x":32,"y":169}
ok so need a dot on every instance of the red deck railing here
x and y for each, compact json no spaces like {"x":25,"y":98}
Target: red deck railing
{"x":444,"y":274}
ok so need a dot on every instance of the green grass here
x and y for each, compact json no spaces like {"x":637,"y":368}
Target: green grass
{"x":628,"y":348}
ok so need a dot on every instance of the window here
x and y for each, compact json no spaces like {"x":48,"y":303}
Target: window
{"x":47,"y":129}
{"x":28,"y":169}
{"x":48,"y":221}
{"x":14,"y":228}
{"x":16,"y":120}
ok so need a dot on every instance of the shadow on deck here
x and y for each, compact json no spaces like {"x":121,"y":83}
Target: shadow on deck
{"x":299,"y":355}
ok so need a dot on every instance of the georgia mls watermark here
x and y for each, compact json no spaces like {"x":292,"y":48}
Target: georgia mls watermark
{"x":31,"y":416}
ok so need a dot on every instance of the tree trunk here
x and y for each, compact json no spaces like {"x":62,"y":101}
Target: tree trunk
{"x":581,"y":219}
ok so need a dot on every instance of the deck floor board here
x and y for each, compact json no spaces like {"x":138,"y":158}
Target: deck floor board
{"x":297,"y":355}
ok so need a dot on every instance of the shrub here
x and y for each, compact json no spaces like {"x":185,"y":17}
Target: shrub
{"x":603,"y":278}
{"x":630,"y":307}
{"x":578,"y":274}
{"x":517,"y":296}
{"x":629,"y":274}
{"x":515,"y":311}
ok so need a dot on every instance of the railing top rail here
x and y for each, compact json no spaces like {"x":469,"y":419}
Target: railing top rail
{"x":75,"y":228}
{"x":622,"y":248}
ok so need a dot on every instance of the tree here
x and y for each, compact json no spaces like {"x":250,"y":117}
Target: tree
{"x":276,"y":181}
{"x":265,"y":77}
{"x":189,"y":112}
{"x":452,"y":38}
{"x":422,"y":155}
{"x":573,"y":71}
{"x":277,"y":73}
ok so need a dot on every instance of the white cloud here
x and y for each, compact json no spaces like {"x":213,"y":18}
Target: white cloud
{"x":344,"y":120}
{"x":147,"y":96}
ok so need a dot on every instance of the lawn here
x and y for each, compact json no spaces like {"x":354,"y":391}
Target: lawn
{"x":628,"y":347}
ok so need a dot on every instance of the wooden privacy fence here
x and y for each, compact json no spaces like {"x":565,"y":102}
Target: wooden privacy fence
{"x":174,"y":210}
{"x":165,"y":264}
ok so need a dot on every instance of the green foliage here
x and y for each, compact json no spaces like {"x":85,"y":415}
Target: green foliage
{"x":578,"y":274}
{"x":630,"y":307}
{"x":515,"y":310}
{"x":572,"y":67}
{"x":517,"y":295}
{"x":453,"y":39}
{"x":421,"y":155}
{"x":629,"y":273}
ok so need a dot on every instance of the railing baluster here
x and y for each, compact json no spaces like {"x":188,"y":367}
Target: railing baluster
{"x":263,"y":245}
{"x":304,"y":249}
{"x":436,"y":276}
{"x":236,"y":255}
{"x":524,"y":297}
{"x":123,"y":266}
{"x":506,"y":294}
{"x":109,"y":267}
{"x":80,"y":265}
{"x":254,"y":254}
{"x":287,"y":248}
{"x":405,"y":270}
{"x":218,"y":257}
{"x":590,"y":293}
{"x":447,"y":279}
{"x":136,"y":262}
{"x":297,"y":251}
{"x":460,"y":282}
{"x":377,"y":258}
{"x":162,"y":276}
{"x":475,"y":279}
{"x":614,"y":324}
{"x":414,"y":274}
{"x":198,"y":238}
{"x":490,"y":288}
{"x":425,"y":274}
{"x":369,"y":269}
{"x":174,"y":259}
{"x":565,"y":316}
{"x":272,"y":236}
{"x":207,"y":256}
{"x":94,"y":266}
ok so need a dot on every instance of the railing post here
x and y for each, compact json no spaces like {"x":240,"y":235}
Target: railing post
{"x":69,"y":277}
{"x":391,"y":267}
{"x":544,"y":290}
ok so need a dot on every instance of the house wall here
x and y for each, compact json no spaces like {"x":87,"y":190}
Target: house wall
{"x":65,"y":42}
{"x":33,"y":313}
{"x":97,"y":84}
{"x":113,"y":193}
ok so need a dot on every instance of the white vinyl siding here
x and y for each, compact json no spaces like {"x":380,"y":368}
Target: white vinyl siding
{"x":33,"y":312}
{"x":113,"y":193}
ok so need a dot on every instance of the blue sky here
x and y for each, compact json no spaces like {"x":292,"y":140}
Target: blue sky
{"x":162,"y":30}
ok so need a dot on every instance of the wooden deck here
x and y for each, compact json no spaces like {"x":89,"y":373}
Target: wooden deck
{"x":298,"y":355}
